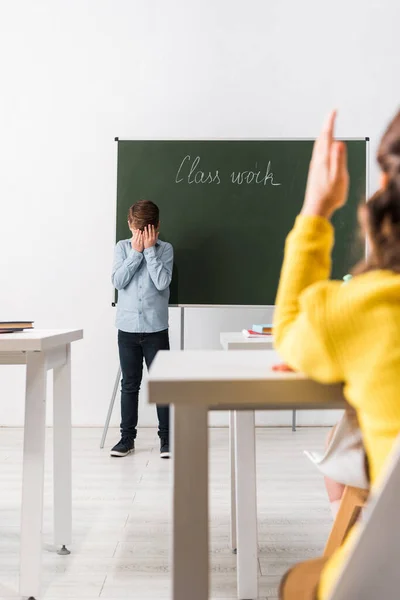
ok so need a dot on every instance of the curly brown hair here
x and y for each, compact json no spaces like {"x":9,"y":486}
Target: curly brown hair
{"x":381,"y":214}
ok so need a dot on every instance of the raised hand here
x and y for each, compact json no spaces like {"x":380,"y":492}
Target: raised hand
{"x":137,"y":240}
{"x":150,"y":236}
{"x":328,"y":178}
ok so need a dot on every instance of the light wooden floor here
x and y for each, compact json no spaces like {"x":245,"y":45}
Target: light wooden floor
{"x":122,"y":516}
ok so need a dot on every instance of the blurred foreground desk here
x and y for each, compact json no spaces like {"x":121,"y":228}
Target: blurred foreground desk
{"x":41,"y":351}
{"x":195,"y":382}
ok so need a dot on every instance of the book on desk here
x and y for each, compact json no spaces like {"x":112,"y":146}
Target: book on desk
{"x":258,"y":331}
{"x":15,"y":326}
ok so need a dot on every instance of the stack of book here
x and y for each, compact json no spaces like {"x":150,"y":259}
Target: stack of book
{"x":260,"y":331}
{"x":13,"y":326}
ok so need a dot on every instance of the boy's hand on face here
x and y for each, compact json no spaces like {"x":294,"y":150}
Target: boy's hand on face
{"x":150,"y":236}
{"x":137,"y":240}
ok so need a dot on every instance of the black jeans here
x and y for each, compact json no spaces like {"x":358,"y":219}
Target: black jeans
{"x":133,"y":347}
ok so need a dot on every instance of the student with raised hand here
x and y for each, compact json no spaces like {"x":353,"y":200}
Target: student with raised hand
{"x":142,"y":274}
{"x":351,"y":333}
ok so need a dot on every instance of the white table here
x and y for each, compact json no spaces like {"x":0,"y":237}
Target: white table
{"x":195,"y":382}
{"x":242,"y":442}
{"x":41,"y":351}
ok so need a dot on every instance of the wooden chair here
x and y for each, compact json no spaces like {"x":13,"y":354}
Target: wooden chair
{"x":351,"y":505}
{"x":372,"y":569}
{"x":301,"y":582}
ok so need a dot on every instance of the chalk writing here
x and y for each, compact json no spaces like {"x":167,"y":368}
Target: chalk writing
{"x":195,"y":174}
{"x":189,"y":171}
{"x":256,"y":176}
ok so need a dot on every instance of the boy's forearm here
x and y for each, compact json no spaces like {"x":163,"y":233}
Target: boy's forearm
{"x":160,"y":270}
{"x":124,"y":271}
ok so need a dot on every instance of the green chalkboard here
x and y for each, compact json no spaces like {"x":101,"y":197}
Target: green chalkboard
{"x":227,"y":207}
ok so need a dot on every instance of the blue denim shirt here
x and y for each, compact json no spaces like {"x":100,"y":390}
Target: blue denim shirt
{"x":142,"y":280}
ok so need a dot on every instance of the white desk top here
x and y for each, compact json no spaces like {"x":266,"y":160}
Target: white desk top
{"x":237,"y":341}
{"x":241,"y":379}
{"x":38,"y":340}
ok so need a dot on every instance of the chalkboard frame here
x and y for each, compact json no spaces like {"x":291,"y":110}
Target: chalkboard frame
{"x":365,"y":139}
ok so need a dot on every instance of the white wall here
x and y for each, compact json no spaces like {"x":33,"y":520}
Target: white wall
{"x":77,"y":73}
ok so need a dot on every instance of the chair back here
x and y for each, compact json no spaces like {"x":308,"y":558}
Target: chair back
{"x":372,"y":570}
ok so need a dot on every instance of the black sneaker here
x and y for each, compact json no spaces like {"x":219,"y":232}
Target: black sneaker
{"x":164,"y":448}
{"x":124,"y":447}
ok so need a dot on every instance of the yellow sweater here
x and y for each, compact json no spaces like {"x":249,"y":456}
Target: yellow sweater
{"x":342,"y":333}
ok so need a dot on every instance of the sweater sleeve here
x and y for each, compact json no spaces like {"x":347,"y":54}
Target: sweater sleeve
{"x":303,"y":302}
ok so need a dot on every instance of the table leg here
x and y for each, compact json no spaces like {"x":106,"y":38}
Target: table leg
{"x":246,"y":503}
{"x":190,"y":503}
{"x":62,"y":455}
{"x":233,"y":479}
{"x":33,"y":474}
{"x":110,"y":408}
